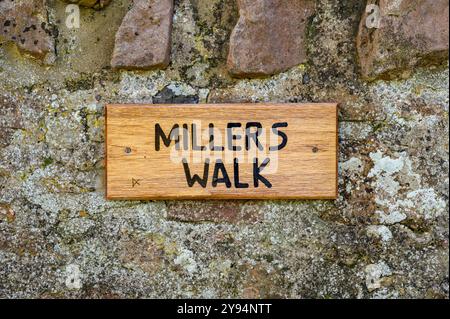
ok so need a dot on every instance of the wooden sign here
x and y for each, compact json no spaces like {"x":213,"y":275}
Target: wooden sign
{"x":221,"y":151}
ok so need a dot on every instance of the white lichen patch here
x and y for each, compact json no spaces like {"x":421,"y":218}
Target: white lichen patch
{"x":186,"y":260}
{"x":139,"y":88}
{"x":426,"y":202}
{"x":390,"y":95}
{"x":423,"y":202}
{"x":352,"y":168}
{"x":380,"y":231}
{"x":390,"y":218}
{"x":385,"y":166}
{"x":273,"y":89}
{"x":354,"y":131}
{"x":384,"y":172}
{"x":353,"y":165}
{"x":181,"y":89}
{"x":73,"y":277}
{"x":376,"y":274}
{"x":388,"y":174}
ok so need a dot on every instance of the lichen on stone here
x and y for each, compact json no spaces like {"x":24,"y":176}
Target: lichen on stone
{"x":386,"y":236}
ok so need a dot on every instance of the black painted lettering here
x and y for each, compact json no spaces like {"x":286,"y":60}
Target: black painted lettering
{"x":195,"y":146}
{"x":220,"y":167}
{"x":191,"y":180}
{"x":237,"y":183}
{"x":212,"y":145}
{"x":186,"y":137}
{"x":231,"y":137}
{"x":253,"y":135}
{"x":257,"y":177}
{"x":281,"y":134}
{"x":160,"y":135}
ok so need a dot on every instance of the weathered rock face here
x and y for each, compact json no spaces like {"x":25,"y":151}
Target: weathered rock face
{"x":144,"y":38}
{"x":10,"y":120}
{"x":25,"y":23}
{"x":410,"y":33}
{"x":269,"y":37}
{"x":231,"y":212}
{"x":386,"y":236}
{"x":96,"y":4}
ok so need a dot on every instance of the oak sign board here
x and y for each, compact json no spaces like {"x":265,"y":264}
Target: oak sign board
{"x":221,"y":151}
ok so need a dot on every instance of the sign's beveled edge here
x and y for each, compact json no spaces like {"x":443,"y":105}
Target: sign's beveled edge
{"x":222,"y":197}
{"x":105,"y":178}
{"x":337,"y":152}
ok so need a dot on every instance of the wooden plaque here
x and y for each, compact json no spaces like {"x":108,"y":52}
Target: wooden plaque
{"x":221,"y":151}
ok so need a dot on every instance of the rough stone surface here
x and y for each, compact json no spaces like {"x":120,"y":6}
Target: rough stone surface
{"x":386,"y":236}
{"x":96,"y":4}
{"x":269,"y":37}
{"x":144,"y":38}
{"x":10,"y":120}
{"x":230,"y":212}
{"x":410,"y":33}
{"x":25,"y":23}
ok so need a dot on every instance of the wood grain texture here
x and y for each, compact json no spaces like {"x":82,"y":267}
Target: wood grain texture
{"x":306,"y":168}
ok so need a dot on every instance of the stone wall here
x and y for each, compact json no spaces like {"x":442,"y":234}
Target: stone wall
{"x":386,"y":236}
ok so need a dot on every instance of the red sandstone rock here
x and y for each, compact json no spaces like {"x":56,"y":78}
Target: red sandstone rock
{"x":24,"y":22}
{"x":218,"y":212}
{"x":411,"y":33}
{"x":144,"y":38}
{"x":269,"y":37}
